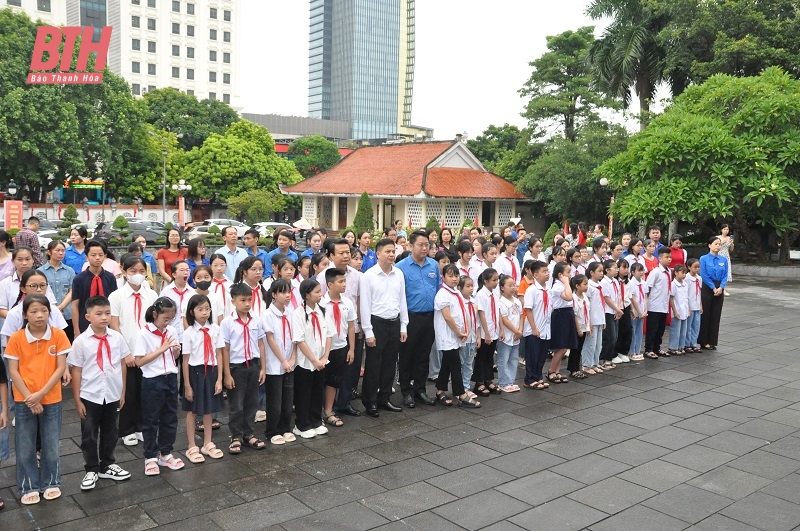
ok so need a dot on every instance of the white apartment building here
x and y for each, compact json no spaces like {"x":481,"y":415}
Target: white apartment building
{"x":191,"y":45}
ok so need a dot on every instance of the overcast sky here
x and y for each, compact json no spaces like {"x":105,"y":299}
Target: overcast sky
{"x":471,"y":58}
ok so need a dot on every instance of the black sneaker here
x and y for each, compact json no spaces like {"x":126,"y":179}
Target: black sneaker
{"x":89,"y":481}
{"x":114,"y":472}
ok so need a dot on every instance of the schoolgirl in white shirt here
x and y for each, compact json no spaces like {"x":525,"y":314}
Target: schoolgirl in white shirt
{"x":250,"y":272}
{"x":511,"y":333}
{"x":489,"y":331}
{"x":695,"y":283}
{"x":563,"y":335}
{"x":637,"y":289}
{"x":32,"y":281}
{"x":313,"y":339}
{"x":281,"y":355}
{"x":679,"y":303}
{"x":625,"y":331}
{"x":22,"y":257}
{"x":575,"y":259}
{"x":220,"y":284}
{"x":592,"y":346}
{"x":609,"y":288}
{"x":581,"y":308}
{"x":507,"y":263}
{"x":467,"y":351}
{"x":179,"y":291}
{"x":634,"y":255}
{"x":202,"y":280}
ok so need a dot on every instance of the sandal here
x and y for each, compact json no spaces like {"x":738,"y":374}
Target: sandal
{"x":333,"y":420}
{"x":31,"y":498}
{"x":494,"y":389}
{"x":211,"y":451}
{"x":171,"y":462}
{"x":557,"y":378}
{"x":589,"y":370}
{"x":151,"y":467}
{"x":194,"y":456}
{"x":535,"y":385}
{"x":637,"y":357}
{"x":578,"y":375}
{"x":710,"y":347}
{"x":444,"y":399}
{"x":509,"y":388}
{"x":2,"y":504}
{"x":52,"y":493}
{"x":254,"y":442}
{"x":289,"y":437}
{"x":651,"y":355}
{"x":481,"y":390}
{"x":471,"y":394}
{"x":607,"y":366}
{"x":235,"y":447}
{"x":277,"y":439}
{"x":468,"y":402}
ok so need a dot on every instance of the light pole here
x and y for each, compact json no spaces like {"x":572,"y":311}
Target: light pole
{"x":113,"y":204}
{"x":180,"y":188}
{"x":85,"y":202}
{"x":12,"y":189}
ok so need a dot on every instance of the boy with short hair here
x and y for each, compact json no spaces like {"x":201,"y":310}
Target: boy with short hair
{"x":91,"y":282}
{"x":98,"y":388}
{"x":536,"y":330}
{"x":243,"y":371}
{"x":341,"y":315}
{"x":659,"y":282}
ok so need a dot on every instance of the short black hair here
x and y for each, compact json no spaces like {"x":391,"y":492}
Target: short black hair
{"x":286,"y":234}
{"x":332,"y":273}
{"x":421,"y":233}
{"x":383,"y":243}
{"x":253,"y":232}
{"x":224,"y":230}
{"x":194,"y":302}
{"x":96,"y":301}
{"x":95,"y":243}
{"x":333,"y":243}
{"x":33,"y":219}
{"x":664,"y":250}
{"x":241,"y":289}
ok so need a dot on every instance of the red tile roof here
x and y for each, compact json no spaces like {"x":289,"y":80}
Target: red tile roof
{"x":466,"y":182}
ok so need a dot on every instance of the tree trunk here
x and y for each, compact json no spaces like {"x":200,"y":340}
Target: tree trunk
{"x":746,"y":236}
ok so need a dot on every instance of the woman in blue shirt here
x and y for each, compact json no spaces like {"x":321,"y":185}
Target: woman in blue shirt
{"x":714,"y":272}
{"x":370,"y":258}
{"x":75,"y":255}
{"x":59,"y":277}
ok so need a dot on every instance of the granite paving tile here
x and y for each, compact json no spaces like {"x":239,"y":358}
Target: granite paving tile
{"x":765,"y":512}
{"x":406,"y":501}
{"x":612,"y":495}
{"x":658,"y":475}
{"x":260,"y":513}
{"x":541,"y":487}
{"x":339,"y":491}
{"x":568,"y":513}
{"x":688,"y":503}
{"x":730,"y":482}
{"x":352,"y":516}
{"x":471,"y":512}
{"x":638,"y":518}
{"x":405,"y":472}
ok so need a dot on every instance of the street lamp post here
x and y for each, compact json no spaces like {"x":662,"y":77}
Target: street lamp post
{"x":85,"y":202}
{"x":180,"y":188}
{"x":113,"y":204}
{"x":12,"y":189}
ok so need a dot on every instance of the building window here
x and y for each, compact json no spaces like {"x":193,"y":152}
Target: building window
{"x":212,"y":34}
{"x":176,"y":50}
{"x":134,"y":2}
{"x":213,"y":12}
{"x":212,"y":55}
{"x":176,"y":6}
{"x":226,"y":78}
{"x":212,"y":95}
{"x":226,"y":57}
{"x":176,"y":28}
{"x":151,"y":47}
{"x":190,"y":73}
{"x":151,"y":88}
{"x":190,"y":31}
{"x":226,"y":36}
{"x":176,"y":71}
{"x":135,"y":21}
{"x":190,"y":9}
{"x":190,"y":92}
{"x":136,"y":44}
{"x":226,"y":98}
{"x":17,"y":3}
{"x":151,"y":69}
{"x":190,"y":52}
{"x":151,"y":3}
{"x":135,"y":67}
{"x":151,"y":24}
{"x":226,"y":16}
{"x":136,"y":88}
{"x":43,"y":5}
{"x":212,"y":76}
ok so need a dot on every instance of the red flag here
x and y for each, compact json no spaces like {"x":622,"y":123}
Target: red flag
{"x":443,"y":225}
{"x":476,"y":223}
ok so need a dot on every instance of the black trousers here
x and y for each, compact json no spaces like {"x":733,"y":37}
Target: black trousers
{"x":625,"y":332}
{"x":574,"y":360}
{"x":350,"y":375}
{"x":159,"y":414}
{"x":656,"y":324}
{"x":451,"y":370}
{"x":280,"y":399}
{"x":130,"y":417}
{"x":709,"y":319}
{"x":381,"y":361}
{"x":101,"y":419}
{"x":482,"y":372}
{"x":308,"y":393}
{"x":610,"y":338}
{"x":415,"y":352}
{"x":243,"y":398}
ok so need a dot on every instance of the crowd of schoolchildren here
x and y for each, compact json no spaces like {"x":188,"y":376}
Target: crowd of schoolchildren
{"x":281,"y":337}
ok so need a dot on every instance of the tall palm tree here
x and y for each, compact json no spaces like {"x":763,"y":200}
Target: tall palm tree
{"x":627,"y":55}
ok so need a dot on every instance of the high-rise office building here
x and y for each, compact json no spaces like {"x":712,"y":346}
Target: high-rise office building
{"x":361,"y":66}
{"x":189,"y":45}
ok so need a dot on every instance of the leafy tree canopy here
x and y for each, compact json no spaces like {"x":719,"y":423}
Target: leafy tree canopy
{"x":256,"y":205}
{"x":313,"y":154}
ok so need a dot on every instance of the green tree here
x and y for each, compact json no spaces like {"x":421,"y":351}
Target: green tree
{"x":363,"y":219}
{"x":495,"y":142}
{"x":728,"y":149}
{"x":559,"y":92}
{"x":313,"y":154}
{"x":256,"y":205}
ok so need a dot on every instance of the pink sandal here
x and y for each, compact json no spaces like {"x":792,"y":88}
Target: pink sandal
{"x":151,"y":467}
{"x":171,"y":462}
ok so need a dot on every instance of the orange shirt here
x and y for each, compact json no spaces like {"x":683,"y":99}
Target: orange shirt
{"x":523,"y":286}
{"x":38,"y":360}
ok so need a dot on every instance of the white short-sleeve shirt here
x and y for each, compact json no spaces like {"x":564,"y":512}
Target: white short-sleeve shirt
{"x":131,"y":315}
{"x":512,"y":310}
{"x":100,"y":386}
{"x":194,"y":343}
{"x":233,"y":334}
{"x":147,"y":341}
{"x":171,"y":291}
{"x":305,"y":331}
{"x":217,"y":306}
{"x":446,"y":339}
{"x":279,"y":324}
{"x":680,"y":294}
{"x":348,"y":315}
{"x":484,"y":300}
{"x":597,"y":304}
{"x":535,"y":303}
{"x":659,"y":281}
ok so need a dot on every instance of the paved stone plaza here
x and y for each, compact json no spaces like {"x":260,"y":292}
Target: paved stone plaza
{"x":703,"y":441}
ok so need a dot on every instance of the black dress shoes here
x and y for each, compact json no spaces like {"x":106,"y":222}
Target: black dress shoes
{"x":408,"y":400}
{"x":350,"y":410}
{"x":372,"y":411}
{"x":425,"y":399}
{"x":388,"y":406}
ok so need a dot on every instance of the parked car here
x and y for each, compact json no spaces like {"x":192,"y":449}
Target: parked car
{"x":47,"y":229}
{"x":267,"y":228}
{"x":240,"y":227}
{"x":197,"y":231}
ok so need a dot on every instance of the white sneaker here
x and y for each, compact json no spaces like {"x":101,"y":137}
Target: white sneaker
{"x":522,"y":361}
{"x":89,"y":481}
{"x":140,"y":436}
{"x":115,"y":472}
{"x":308,"y":434}
{"x":130,"y":440}
{"x":322,"y":430}
{"x":624,"y":358}
{"x":261,"y":415}
{"x":617,"y":360}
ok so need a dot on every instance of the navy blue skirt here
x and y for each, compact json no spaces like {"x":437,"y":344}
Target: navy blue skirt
{"x":202,"y":380}
{"x":563,"y":333}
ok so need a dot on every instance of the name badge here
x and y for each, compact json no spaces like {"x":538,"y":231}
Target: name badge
{"x":432,"y":275}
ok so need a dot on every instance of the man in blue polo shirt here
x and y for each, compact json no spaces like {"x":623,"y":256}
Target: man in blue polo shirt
{"x":250,"y":240}
{"x":284,"y":241}
{"x":233,"y":254}
{"x":422,"y":281}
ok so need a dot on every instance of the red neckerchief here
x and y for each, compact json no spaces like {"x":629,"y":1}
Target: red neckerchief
{"x":316,"y":328}
{"x":585,"y":310}
{"x":616,"y":290}
{"x":602,"y":297}
{"x":208,"y":350}
{"x":294,"y":299}
{"x":472,"y":315}
{"x":464,"y":270}
{"x":337,"y":317}
{"x":622,"y":290}
{"x":180,"y":296}
{"x":103,"y":341}
{"x":248,"y":354}
{"x":219,"y":284}
{"x":460,"y":303}
{"x":494,"y":312}
{"x":256,"y":297}
{"x":669,"y":277}
{"x":285,"y":327}
{"x":137,"y":307}
{"x":545,"y":301}
{"x":96,"y":287}
{"x":513,"y":267}
{"x":163,"y":336}
{"x":641,"y":293}
{"x":697,"y":288}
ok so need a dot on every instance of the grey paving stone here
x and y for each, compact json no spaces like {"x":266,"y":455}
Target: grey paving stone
{"x":400,"y":429}
{"x":556,"y":427}
{"x":688,"y":503}
{"x":596,"y":415}
{"x":763,"y":402}
{"x":787,"y":447}
{"x":503,"y":525}
{"x":765,"y":512}
{"x":787,"y":488}
{"x":511,"y":441}
{"x":613,"y":432}
{"x":736,"y":413}
{"x":638,"y":518}
{"x":391,"y":452}
{"x":403,"y":473}
{"x":596,"y":468}
{"x":124,"y":493}
{"x":403,"y":502}
{"x":658,"y":475}
{"x":339,"y":491}
{"x":194,"y":477}
{"x":729,"y":482}
{"x":471,"y":480}
{"x":632,"y":404}
{"x":45,"y":514}
{"x":453,"y":435}
{"x":445,"y":417}
{"x":471,"y":512}
{"x":650,"y":420}
{"x":740,"y":389}
{"x":501,"y":423}
{"x":764,"y":429}
{"x":207,"y":500}
{"x":788,"y":416}
{"x":463,"y":455}
{"x":276,"y":458}
{"x":612,"y":495}
{"x":733,"y":443}
{"x":682,"y":408}
{"x":706,"y":424}
{"x":569,"y":514}
{"x":614,"y":391}
{"x":691,"y":386}
{"x":578,"y":401}
{"x":699,"y":458}
{"x":260,"y":513}
{"x":524,"y":462}
{"x":672,"y":437}
{"x":543,"y":411}
{"x":352,"y":516}
{"x":340,"y":465}
{"x":572,"y":446}
{"x":199,"y":522}
{"x":270,"y":483}
{"x":784,"y":393}
{"x":539,"y":488}
{"x":672,"y":375}
{"x":132,"y":518}
{"x":711,"y":398}
{"x":718,"y":522}
{"x":663,"y":395}
{"x":645,"y":383}
{"x":633,"y":452}
{"x":766,"y":464}
{"x":423,"y":520}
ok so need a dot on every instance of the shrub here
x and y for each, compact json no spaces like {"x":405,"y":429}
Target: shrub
{"x":547,"y":241}
{"x":363,"y":219}
{"x":120,"y":223}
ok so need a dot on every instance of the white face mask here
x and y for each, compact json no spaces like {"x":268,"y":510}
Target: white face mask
{"x":136,"y":279}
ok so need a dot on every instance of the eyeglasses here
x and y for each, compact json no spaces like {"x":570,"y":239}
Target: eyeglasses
{"x":36,"y":286}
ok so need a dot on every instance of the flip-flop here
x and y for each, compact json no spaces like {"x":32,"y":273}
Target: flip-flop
{"x":194,"y":456}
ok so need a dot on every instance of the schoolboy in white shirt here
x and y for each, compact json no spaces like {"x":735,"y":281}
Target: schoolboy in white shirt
{"x":658,"y":281}
{"x":340,"y":312}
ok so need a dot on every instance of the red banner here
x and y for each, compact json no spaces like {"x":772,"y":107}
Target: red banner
{"x":14,"y":214}
{"x":181,"y":208}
